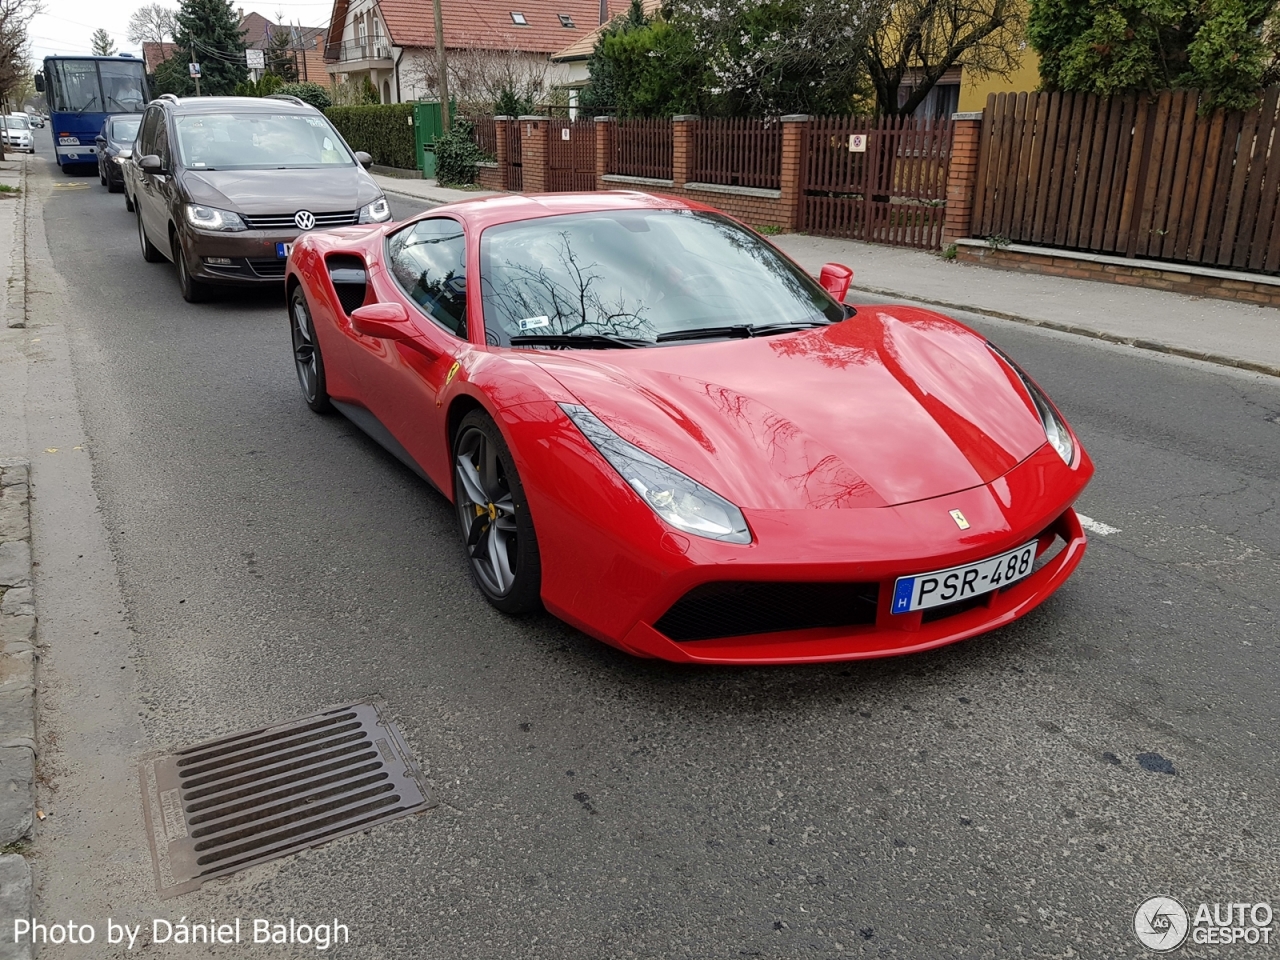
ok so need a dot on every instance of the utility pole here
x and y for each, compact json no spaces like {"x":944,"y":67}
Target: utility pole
{"x":195,"y":74}
{"x":442,"y":69}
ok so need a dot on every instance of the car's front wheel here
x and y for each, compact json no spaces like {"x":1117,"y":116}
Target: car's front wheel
{"x":193,"y":291}
{"x":306,"y":353}
{"x":494,"y":515}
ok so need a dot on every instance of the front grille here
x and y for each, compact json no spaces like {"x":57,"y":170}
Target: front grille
{"x":736,"y":609}
{"x":933,"y":614}
{"x":271,"y":269}
{"x":285,"y":221}
{"x":221,"y":806}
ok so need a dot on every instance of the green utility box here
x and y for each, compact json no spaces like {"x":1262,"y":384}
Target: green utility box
{"x":428,"y":124}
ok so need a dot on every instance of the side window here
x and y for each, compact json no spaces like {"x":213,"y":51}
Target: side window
{"x":162,"y":144}
{"x":428,"y":260}
{"x":147,"y":135}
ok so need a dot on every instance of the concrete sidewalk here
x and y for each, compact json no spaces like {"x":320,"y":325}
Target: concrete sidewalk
{"x":428,"y":190}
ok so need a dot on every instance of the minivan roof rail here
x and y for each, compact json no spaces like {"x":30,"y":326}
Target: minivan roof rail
{"x":169,"y":96}
{"x":287,"y":96}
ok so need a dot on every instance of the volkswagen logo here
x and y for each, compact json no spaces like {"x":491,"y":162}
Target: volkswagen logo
{"x":305,"y":219}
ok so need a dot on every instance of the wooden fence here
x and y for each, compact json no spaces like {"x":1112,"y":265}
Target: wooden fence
{"x":642,"y":148}
{"x":485,"y":134}
{"x":738,"y":153}
{"x":882,"y":180}
{"x":571,"y":155}
{"x":1136,"y":176}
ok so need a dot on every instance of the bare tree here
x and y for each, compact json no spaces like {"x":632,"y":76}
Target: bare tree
{"x":920,"y":40}
{"x":153,"y":23}
{"x":481,"y":77}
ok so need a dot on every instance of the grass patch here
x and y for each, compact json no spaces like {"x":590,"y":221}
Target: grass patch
{"x":5,"y":188}
{"x":950,"y":253}
{"x":769,"y":230}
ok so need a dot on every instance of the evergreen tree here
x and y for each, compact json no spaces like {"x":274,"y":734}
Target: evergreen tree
{"x":103,"y":45}
{"x":210,"y":30}
{"x":279,"y":54}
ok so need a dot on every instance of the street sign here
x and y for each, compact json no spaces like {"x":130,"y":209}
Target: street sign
{"x":255,"y":59}
{"x":857,"y":143}
{"x":194,"y":70}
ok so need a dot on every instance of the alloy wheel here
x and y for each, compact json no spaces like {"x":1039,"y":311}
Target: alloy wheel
{"x":486,"y":511}
{"x":304,"y":348}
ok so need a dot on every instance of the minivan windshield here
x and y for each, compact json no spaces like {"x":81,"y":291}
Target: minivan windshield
{"x":639,"y":276}
{"x":125,"y":129}
{"x":259,"y":141}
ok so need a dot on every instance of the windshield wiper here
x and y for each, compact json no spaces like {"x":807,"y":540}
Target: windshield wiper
{"x":739,"y":331}
{"x":590,"y":341}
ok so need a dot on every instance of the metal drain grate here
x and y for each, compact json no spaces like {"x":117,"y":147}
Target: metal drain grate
{"x":227,"y":804}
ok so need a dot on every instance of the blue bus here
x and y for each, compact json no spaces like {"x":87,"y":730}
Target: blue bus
{"x":82,"y":92}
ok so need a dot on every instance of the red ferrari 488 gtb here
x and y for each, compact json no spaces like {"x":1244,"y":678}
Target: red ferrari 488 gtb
{"x":654,"y":423}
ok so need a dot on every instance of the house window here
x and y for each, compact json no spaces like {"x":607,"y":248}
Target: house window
{"x":566,"y":21}
{"x":519,"y":19}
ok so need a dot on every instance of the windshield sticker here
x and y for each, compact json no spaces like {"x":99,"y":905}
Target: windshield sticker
{"x":316,"y":122}
{"x":533,"y":323}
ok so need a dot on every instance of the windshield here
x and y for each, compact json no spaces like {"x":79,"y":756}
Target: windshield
{"x":125,"y":129}
{"x":638,"y":274}
{"x":259,"y":141}
{"x":122,"y":86}
{"x":17,"y":123}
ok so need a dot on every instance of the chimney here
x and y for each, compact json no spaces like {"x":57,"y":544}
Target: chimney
{"x":240,"y":11}
{"x":604,"y":12}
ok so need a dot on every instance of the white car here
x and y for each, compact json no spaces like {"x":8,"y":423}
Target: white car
{"x":17,"y":133}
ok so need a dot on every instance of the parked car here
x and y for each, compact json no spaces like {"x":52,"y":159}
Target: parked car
{"x":223,"y":186}
{"x":17,"y":133}
{"x":36,"y":120}
{"x":653,"y":423}
{"x":115,"y":146}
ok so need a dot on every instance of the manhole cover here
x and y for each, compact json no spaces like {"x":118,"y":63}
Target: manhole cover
{"x":227,"y":804}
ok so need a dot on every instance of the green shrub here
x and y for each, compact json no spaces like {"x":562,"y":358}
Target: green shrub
{"x":266,"y":86}
{"x":457,"y":154}
{"x":384,"y":131}
{"x":311,"y":93}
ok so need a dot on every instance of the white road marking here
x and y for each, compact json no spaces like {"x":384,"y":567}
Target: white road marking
{"x":1095,"y":526}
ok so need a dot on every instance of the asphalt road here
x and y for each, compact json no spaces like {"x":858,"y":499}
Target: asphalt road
{"x":216,"y":558}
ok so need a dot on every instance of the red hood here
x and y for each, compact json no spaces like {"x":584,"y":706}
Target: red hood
{"x":894,"y":405}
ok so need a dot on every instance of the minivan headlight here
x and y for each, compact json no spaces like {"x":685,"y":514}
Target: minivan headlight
{"x":678,"y":499}
{"x":211,"y":218}
{"x":377,"y":212}
{"x":1055,"y":429}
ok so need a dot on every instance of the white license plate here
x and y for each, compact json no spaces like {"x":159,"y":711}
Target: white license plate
{"x":283,"y":250}
{"x":926,"y":590}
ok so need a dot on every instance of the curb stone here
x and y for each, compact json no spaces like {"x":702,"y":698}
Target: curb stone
{"x":15,"y":901}
{"x":15,"y":313}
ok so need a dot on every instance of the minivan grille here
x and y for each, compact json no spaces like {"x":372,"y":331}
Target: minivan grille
{"x":285,"y":221}
{"x":736,"y":609}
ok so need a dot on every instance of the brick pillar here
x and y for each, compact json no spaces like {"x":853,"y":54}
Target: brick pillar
{"x":795,"y":128}
{"x":682,"y":131}
{"x":604,"y":150}
{"x":962,"y":176}
{"x":503,"y":128}
{"x":534,"y":131}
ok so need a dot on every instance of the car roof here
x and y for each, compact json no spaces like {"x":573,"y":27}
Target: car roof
{"x":511,"y":208}
{"x":234,"y":105}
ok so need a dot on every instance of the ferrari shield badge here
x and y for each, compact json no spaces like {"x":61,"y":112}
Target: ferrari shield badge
{"x":958,"y":517}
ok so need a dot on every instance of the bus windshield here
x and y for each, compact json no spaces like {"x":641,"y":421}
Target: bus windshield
{"x":96,"y":86}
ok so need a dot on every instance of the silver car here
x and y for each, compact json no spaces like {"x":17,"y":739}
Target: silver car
{"x":17,"y":133}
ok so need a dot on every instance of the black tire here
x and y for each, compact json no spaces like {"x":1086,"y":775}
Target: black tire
{"x":113,"y":187}
{"x":498,"y":534}
{"x":150,"y":253}
{"x":102,"y":177}
{"x":193,"y":291}
{"x":128,"y":202}
{"x":306,"y":354}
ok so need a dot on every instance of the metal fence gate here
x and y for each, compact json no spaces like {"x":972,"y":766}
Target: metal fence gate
{"x":571,"y":155}
{"x":515,"y":171}
{"x":881,"y":180}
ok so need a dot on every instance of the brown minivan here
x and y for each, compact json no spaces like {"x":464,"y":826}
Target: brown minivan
{"x":222,"y":186}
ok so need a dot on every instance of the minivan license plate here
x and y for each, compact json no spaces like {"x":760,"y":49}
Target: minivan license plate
{"x":283,"y":250}
{"x":926,"y":590}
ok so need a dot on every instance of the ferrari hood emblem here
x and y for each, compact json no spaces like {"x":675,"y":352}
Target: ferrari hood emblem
{"x":958,"y":517}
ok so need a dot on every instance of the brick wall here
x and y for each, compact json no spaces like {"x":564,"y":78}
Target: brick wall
{"x":1140,"y":274}
{"x":962,"y":176}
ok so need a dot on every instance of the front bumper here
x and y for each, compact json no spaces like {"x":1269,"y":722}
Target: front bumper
{"x":618,"y":582}
{"x":252,"y":256}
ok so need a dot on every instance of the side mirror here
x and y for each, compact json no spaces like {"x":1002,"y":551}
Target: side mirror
{"x":364,"y":159}
{"x":100,"y":140}
{"x":835,"y":279}
{"x":39,"y":79}
{"x":387,"y":321}
{"x":151,"y":164}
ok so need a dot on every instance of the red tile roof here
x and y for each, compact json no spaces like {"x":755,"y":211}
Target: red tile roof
{"x":484,"y":23}
{"x":154,"y":54}
{"x":584,"y":46}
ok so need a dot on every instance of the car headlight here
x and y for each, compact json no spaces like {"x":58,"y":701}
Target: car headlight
{"x":377,"y":212}
{"x":1055,"y":429}
{"x":679,"y":500}
{"x":211,"y":218}
{"x":121,"y":158}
